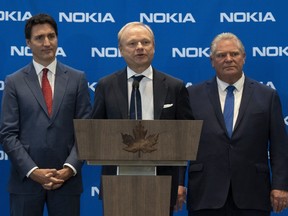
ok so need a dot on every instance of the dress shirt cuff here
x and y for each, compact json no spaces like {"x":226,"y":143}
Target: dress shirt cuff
{"x":29,"y":173}
{"x":70,"y":166}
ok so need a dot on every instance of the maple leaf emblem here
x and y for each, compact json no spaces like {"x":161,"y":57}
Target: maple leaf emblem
{"x":140,"y":143}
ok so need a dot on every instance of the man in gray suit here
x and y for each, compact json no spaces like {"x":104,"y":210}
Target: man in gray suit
{"x":38,"y":134}
{"x":162,"y":96}
{"x":231,"y":176}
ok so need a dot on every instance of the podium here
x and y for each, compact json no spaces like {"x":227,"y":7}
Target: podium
{"x":137,"y":147}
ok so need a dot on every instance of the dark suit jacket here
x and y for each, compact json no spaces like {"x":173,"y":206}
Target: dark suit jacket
{"x":30,"y":137}
{"x":241,"y":161}
{"x":111,"y":102}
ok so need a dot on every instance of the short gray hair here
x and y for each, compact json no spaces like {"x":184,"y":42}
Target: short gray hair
{"x":225,"y":36}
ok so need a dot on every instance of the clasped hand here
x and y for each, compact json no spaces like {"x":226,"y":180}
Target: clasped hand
{"x":279,"y":200}
{"x":51,"y":179}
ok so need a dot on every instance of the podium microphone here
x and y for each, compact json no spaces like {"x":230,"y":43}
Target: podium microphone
{"x":135,"y":86}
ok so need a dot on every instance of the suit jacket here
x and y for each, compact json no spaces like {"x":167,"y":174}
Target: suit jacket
{"x":30,"y":137}
{"x":111,"y":102}
{"x":242,"y":161}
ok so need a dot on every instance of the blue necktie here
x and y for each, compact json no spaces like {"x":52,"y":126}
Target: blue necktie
{"x":135,"y":102}
{"x":229,"y":110}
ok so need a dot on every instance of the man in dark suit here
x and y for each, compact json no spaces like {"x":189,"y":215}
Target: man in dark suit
{"x":162,"y":96}
{"x":231,"y":174}
{"x":38,"y":134}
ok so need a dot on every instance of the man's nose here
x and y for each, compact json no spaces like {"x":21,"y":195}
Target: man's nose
{"x":46,"y":41}
{"x":228,"y":57}
{"x":139,"y":45}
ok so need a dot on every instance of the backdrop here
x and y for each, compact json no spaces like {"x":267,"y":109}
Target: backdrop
{"x":183,"y":31}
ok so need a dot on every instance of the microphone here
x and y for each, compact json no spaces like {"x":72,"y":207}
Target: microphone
{"x":135,"y":86}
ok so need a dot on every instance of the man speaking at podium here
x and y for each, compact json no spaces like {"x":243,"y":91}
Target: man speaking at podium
{"x":162,"y":96}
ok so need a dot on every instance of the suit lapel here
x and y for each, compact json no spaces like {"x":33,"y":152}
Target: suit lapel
{"x":215,"y":101}
{"x":159,"y":93}
{"x":246,"y":96}
{"x":121,"y":92}
{"x":61,"y":81}
{"x":33,"y":82}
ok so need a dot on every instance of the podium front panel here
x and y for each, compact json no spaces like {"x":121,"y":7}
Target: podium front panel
{"x":107,"y":141}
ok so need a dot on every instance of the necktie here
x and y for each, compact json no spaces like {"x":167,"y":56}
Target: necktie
{"x":47,"y":91}
{"x":135,"y":102}
{"x":229,"y":110}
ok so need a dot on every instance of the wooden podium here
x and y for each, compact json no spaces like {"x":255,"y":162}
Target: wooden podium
{"x":137,"y":147}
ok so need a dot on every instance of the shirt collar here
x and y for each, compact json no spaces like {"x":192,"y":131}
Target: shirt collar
{"x":51,"y":67}
{"x":148,"y":73}
{"x":238,"y":85}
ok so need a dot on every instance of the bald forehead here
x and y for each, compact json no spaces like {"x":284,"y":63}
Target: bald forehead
{"x":134,"y":27}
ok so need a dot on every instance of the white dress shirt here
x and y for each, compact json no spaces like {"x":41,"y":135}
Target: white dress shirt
{"x":146,"y":91}
{"x":237,"y":95}
{"x":50,"y":75}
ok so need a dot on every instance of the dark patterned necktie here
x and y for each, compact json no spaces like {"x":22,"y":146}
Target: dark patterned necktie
{"x":229,"y":110}
{"x":135,"y":102}
{"x":47,"y":91}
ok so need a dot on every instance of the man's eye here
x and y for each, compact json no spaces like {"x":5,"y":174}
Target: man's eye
{"x":51,"y":36}
{"x":146,"y":42}
{"x":221,"y":55}
{"x":234,"y":54}
{"x":40,"y":37}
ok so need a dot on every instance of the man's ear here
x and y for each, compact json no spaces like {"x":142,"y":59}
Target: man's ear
{"x":119,"y":47}
{"x":28,"y":43}
{"x":211,"y":60}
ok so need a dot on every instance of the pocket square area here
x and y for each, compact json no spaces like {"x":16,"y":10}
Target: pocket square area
{"x":167,"y":105}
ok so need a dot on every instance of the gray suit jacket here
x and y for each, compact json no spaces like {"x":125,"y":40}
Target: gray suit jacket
{"x":242,"y":161}
{"x":30,"y":137}
{"x":111,"y":102}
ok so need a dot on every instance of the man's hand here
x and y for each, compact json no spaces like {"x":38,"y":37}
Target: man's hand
{"x":181,"y":199}
{"x":44,"y":176}
{"x":62,"y":174}
{"x":65,"y":173}
{"x":47,"y":178}
{"x":279,"y":200}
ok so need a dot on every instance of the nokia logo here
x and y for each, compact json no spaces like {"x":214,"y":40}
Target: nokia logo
{"x":247,"y":17}
{"x":190,"y":52}
{"x":105,"y":52}
{"x":286,"y":120}
{"x":92,"y":85}
{"x":80,"y":17}
{"x":269,"y":84}
{"x":3,"y":155}
{"x":271,"y":51}
{"x":94,"y":191}
{"x":14,"y":16}
{"x":167,"y":18}
{"x":26,"y":51}
{"x":188,"y":84}
{"x":2,"y":85}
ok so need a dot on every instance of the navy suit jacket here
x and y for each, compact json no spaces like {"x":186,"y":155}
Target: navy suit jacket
{"x":30,"y":137}
{"x":242,"y":161}
{"x":111,"y":102}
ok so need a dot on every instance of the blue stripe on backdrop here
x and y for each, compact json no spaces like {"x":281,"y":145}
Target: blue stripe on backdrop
{"x":183,"y":30}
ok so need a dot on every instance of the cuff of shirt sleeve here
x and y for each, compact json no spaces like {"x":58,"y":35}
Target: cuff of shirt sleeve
{"x":70,"y":166}
{"x":29,"y":173}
